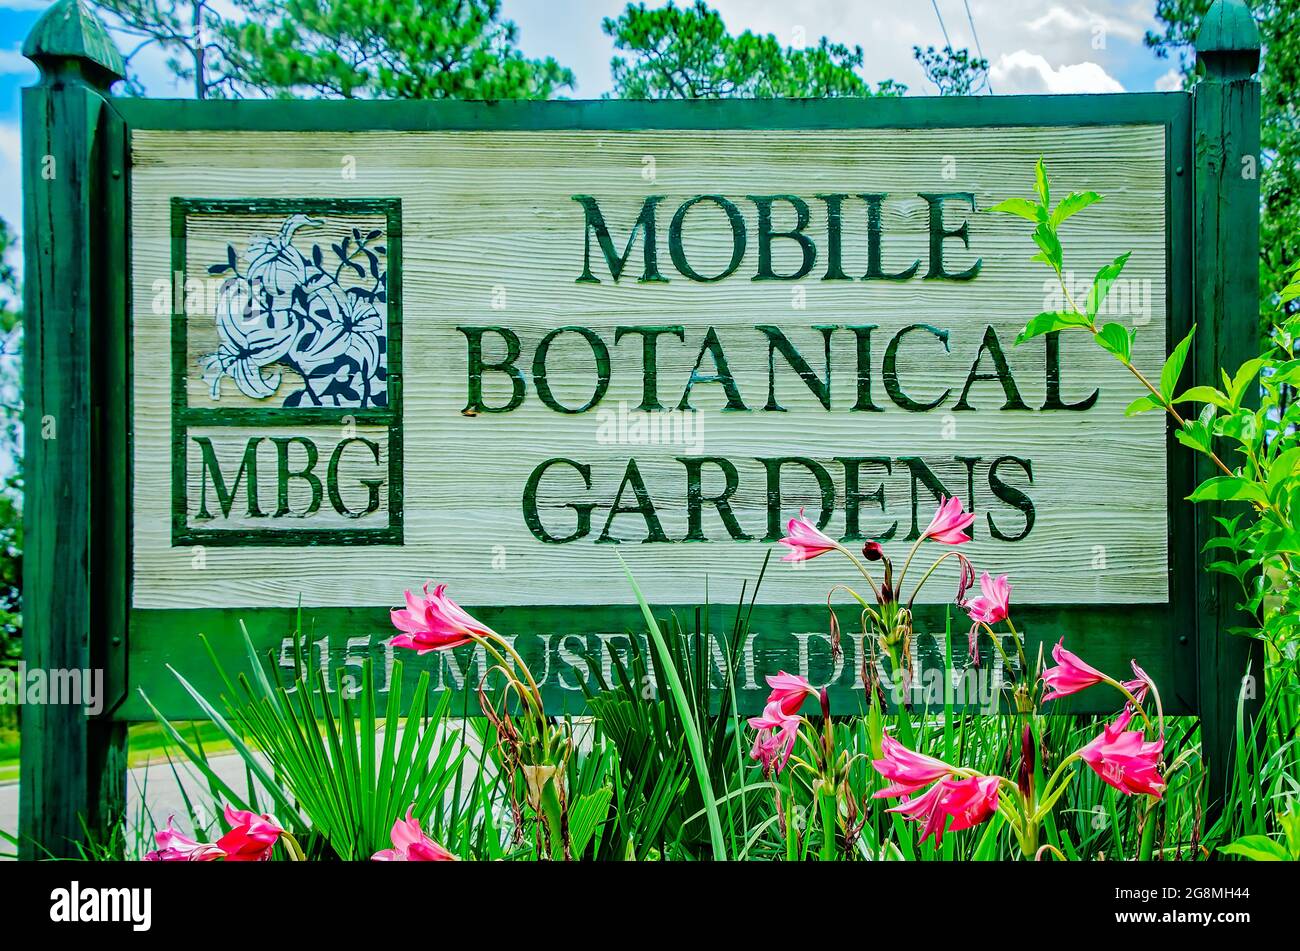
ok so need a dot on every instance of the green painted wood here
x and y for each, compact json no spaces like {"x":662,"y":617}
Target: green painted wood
{"x":111,"y":393}
{"x":1184,"y":560}
{"x":912,"y":112}
{"x":77,"y":374}
{"x":1161,"y":638}
{"x":557,"y":641}
{"x":1228,"y":28}
{"x":73,"y":779}
{"x":68,"y":33}
{"x":1227,"y":122}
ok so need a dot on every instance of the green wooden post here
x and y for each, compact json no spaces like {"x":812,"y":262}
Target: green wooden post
{"x":73,"y":767}
{"x":1226,"y":301}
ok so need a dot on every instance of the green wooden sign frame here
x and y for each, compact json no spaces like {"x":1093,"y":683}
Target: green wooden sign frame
{"x":1161,"y":634}
{"x":78,"y":573}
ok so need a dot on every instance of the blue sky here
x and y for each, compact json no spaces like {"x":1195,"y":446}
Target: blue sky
{"x":1033,"y":46}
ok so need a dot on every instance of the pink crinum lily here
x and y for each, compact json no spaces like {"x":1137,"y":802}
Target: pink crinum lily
{"x":1070,"y":675}
{"x":434,"y":622}
{"x":805,"y":540}
{"x":949,"y":524}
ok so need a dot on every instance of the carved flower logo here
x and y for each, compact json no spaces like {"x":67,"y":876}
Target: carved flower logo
{"x":274,"y":262}
{"x":324,"y":319}
{"x":249,"y":342}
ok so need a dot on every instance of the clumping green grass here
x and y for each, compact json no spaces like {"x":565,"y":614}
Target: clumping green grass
{"x":668,"y":775}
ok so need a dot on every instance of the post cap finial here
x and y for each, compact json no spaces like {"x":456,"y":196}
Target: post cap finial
{"x":70,"y":31}
{"x":1228,"y":41}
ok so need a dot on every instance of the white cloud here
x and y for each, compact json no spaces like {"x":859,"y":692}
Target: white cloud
{"x":13,"y":62}
{"x":1081,"y":44}
{"x":1062,"y":32}
{"x":1171,"y":81}
{"x":11,"y":197}
{"x":10,"y":143}
{"x":1026,"y":72}
{"x":1082,"y":21}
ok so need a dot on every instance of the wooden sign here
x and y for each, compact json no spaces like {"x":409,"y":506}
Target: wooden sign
{"x":495,"y":355}
{"x":303,"y":356}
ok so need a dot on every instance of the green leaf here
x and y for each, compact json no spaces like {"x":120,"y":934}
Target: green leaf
{"x":1040,"y":184}
{"x":1282,"y":468}
{"x":1021,"y":207}
{"x":1227,"y":543}
{"x":1103,"y":282}
{"x":683,"y":704}
{"x":1245,"y":373}
{"x":1280,"y":541}
{"x":1143,"y":404}
{"x":1045,"y":807}
{"x":1287,"y":372}
{"x":1049,"y":245}
{"x":1049,"y":321}
{"x":1072,"y":204}
{"x":875,"y":727}
{"x":1116,"y":338}
{"x":1194,"y":436}
{"x":1205,"y":394}
{"x":1290,"y":822}
{"x":1239,"y":426}
{"x":1173,"y":367}
{"x":987,"y":850}
{"x":1232,"y":569}
{"x":251,"y":761}
{"x":588,"y":813}
{"x":1228,"y":489}
{"x":1257,"y":848}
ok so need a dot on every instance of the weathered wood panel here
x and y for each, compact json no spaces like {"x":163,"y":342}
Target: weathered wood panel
{"x":491,"y":236}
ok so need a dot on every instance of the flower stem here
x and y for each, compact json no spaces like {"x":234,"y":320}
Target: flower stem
{"x":910,"y":555}
{"x":1160,"y":398}
{"x":1131,"y":699}
{"x":875,"y":589}
{"x":828,"y":805}
{"x":997,"y":642}
{"x":533,"y":696}
{"x":291,"y":846}
{"x":926,"y":577}
{"x":1020,"y":648}
{"x":1056,"y":774}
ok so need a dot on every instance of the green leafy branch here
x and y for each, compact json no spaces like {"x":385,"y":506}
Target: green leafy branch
{"x":1267,"y":438}
{"x":1118,"y":340}
{"x":1114,"y":338}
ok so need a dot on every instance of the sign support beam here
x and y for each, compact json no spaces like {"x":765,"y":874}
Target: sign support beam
{"x":73,"y":779}
{"x":1226,"y":110}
